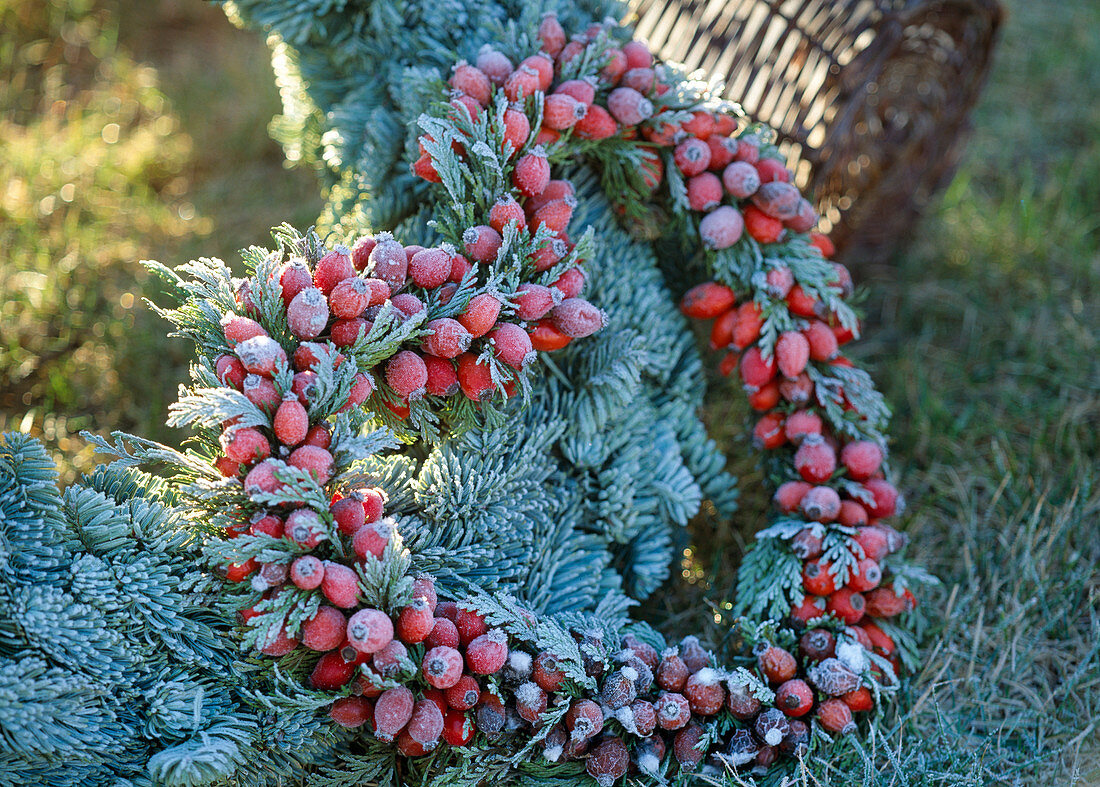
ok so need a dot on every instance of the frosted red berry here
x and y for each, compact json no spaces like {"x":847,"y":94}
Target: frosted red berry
{"x":608,"y":761}
{"x":835,"y":716}
{"x":777,"y":664}
{"x":692,"y":156}
{"x":815,"y":460}
{"x":487,"y":653}
{"x":577,"y":318}
{"x":392,"y":711}
{"x":480,"y":314}
{"x":415,"y":622}
{"x":847,"y":604}
{"x":291,"y":422}
{"x":308,"y":313}
{"x":532,"y":173}
{"x":307,"y":572}
{"x":512,"y":345}
{"x":704,"y":692}
{"x":325,"y":630}
{"x":673,"y":710}
{"x":351,"y":712}
{"x":341,"y":586}
{"x":861,"y":458}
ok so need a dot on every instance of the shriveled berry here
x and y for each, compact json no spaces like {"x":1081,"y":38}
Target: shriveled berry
{"x":831,"y":676}
{"x":608,"y":761}
{"x":771,"y":726}
{"x":687,"y":746}
{"x":673,"y":710}
{"x":584,"y":720}
{"x":740,"y":700}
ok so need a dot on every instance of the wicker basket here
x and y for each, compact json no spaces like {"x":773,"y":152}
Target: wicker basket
{"x":870,"y":97}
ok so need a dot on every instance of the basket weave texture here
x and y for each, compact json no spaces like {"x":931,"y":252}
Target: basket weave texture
{"x":870,"y":98}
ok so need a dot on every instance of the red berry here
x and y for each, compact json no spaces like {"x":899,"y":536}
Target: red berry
{"x":584,"y":720}
{"x":551,"y":34}
{"x":351,"y":712}
{"x":415,"y":622}
{"x":291,"y":422}
{"x":807,"y":544}
{"x":704,"y":191}
{"x":406,"y":305}
{"x":464,"y":694}
{"x":852,"y":514}
{"x":261,"y":391}
{"x":279,"y":645}
{"x":583,"y":90}
{"x":847,"y":604}
{"x":229,"y":371}
{"x":789,"y":495}
{"x":772,"y":170}
{"x":512,"y":345}
{"x":474,"y":377}
{"x":673,"y":710}
{"x":817,"y":578}
{"x":821,"y":504}
{"x":332,"y":672}
{"x":704,"y":692}
{"x":506,"y":211}
{"x":815,"y":459}
{"x":637,"y":54}
{"x":862,"y":459}
{"x":308,"y":313}
{"x":517,"y":128}
{"x":244,"y":444}
{"x":577,"y":318}
{"x":532,"y":173}
{"x":547,"y":672}
{"x":778,"y":200}
{"x":762,"y":228}
{"x":692,"y":156}
{"x":442,"y":378}
{"x":561,"y":111}
{"x":858,"y":700}
{"x":442,"y":667}
{"x":570,"y":284}
{"x":628,"y":106}
{"x":392,"y":711}
{"x":314,"y":460}
{"x":430,"y":268}
{"x":885,"y":497}
{"x":261,"y":355}
{"x":707,"y":300}
{"x":533,"y":301}
{"x":756,"y":372}
{"x":777,"y":664}
{"x":261,"y":478}
{"x":480,"y":315}
{"x":472,"y":81}
{"x":803,"y":304}
{"x":792,"y":353}
{"x":883,"y":602}
{"x":470,"y":625}
{"x":239,"y":329}
{"x":741,"y":180}
{"x":304,"y":528}
{"x":794,"y":697}
{"x":341,"y":586}
{"x":530,"y":702}
{"x":805,"y":217}
{"x":671,"y":673}
{"x":740,"y":701}
{"x":368,"y":630}
{"x":809,"y":609}
{"x":333,"y":268}
{"x":238,"y":572}
{"x":388,"y":261}
{"x":835,"y":716}
{"x":487,"y":653}
{"x":866,"y":576}
{"x":596,"y":124}
{"x":371,"y":539}
{"x":768,"y":433}
{"x":407,"y":375}
{"x":822,"y":341}
{"x":881,"y":642}
{"x":325,"y":630}
{"x":494,"y":64}
{"x":449,"y":338}
{"x":642,"y":79}
{"x":722,"y":151}
{"x":802,"y":423}
{"x":307,"y":572}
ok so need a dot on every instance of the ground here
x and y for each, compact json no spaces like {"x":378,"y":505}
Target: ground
{"x":124,"y":135}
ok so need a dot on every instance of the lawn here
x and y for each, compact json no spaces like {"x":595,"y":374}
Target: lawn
{"x":127,"y":135}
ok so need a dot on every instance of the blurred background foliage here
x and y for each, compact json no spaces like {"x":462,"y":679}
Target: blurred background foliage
{"x":128,"y":130}
{"x":133,"y":130}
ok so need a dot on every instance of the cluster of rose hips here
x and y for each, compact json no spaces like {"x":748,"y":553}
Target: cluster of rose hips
{"x":339,"y":299}
{"x":836,"y":480}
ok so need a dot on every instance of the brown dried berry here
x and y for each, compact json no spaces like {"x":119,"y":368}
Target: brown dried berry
{"x":740,"y":701}
{"x":608,"y":762}
{"x":771,"y":726}
{"x":693,"y":654}
{"x":817,"y":644}
{"x":833,"y":677}
{"x":684,"y":746}
{"x":584,"y":720}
